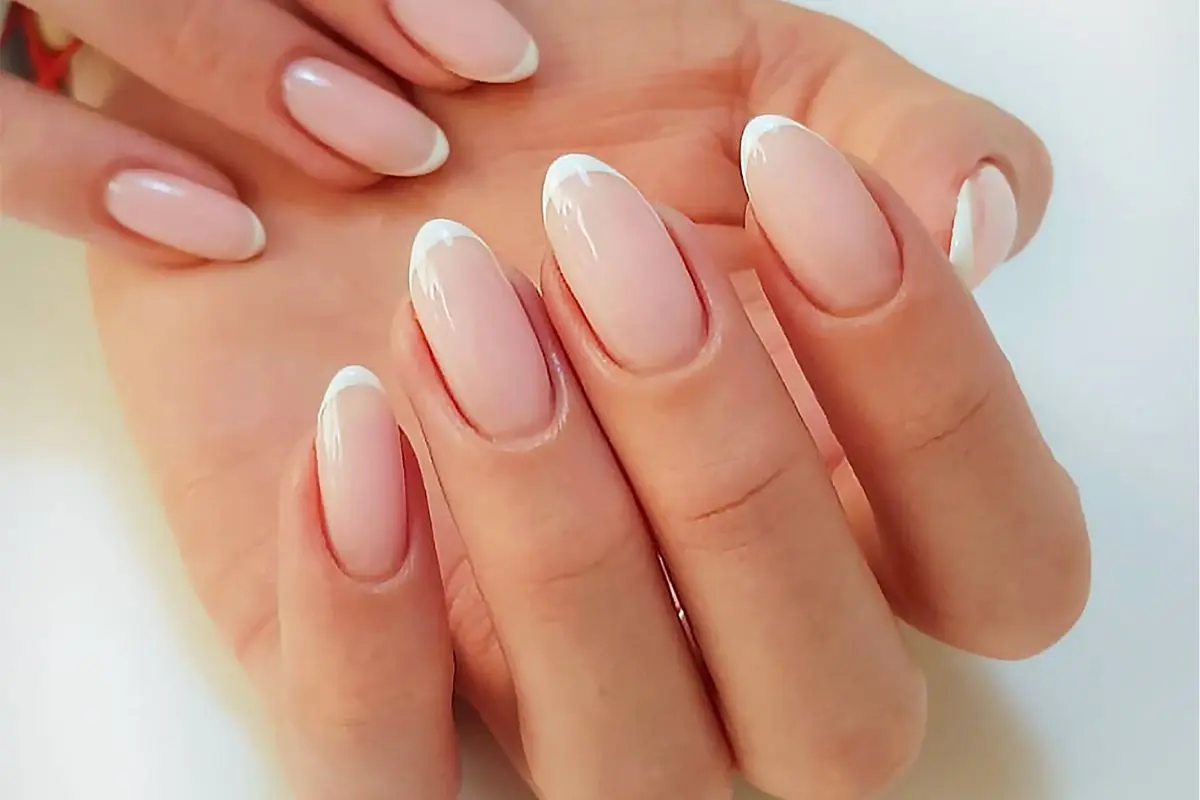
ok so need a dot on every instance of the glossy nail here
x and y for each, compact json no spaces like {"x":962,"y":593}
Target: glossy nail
{"x":360,"y":469}
{"x":819,"y":216}
{"x":476,"y":39}
{"x":985,"y":225}
{"x":184,"y":215}
{"x":361,"y":120}
{"x":479,"y":333}
{"x":621,"y":264}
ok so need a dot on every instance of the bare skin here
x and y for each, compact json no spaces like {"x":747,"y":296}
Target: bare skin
{"x":219,"y":368}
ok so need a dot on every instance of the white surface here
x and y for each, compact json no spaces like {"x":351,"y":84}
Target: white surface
{"x":110,"y":683}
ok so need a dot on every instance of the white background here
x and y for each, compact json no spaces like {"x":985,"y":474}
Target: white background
{"x":110,"y":681}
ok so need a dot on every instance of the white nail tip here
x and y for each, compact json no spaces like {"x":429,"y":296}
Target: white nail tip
{"x":346,"y":378}
{"x":437,"y":157}
{"x":258,"y":241}
{"x":570,"y":166}
{"x":526,"y":67}
{"x":962,"y":234}
{"x":432,"y":233}
{"x":762,"y":125}
{"x":438,"y":231}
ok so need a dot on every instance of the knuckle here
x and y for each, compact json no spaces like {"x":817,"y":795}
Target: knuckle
{"x":862,"y":758}
{"x":335,"y":724}
{"x":949,"y":415}
{"x":582,"y":550}
{"x":863,"y":750}
{"x":739,"y":503}
{"x":709,"y":780}
{"x":198,"y":37}
{"x":255,"y":641}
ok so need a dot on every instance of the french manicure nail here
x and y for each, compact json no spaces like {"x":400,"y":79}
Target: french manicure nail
{"x":819,"y":216}
{"x":985,"y":225}
{"x":475,"y":39}
{"x":184,"y":215}
{"x":360,"y":470}
{"x":479,"y":333}
{"x":362,"y":121}
{"x":621,"y":264}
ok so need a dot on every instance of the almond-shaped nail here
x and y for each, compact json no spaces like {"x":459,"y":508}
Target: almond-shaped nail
{"x":184,"y":215}
{"x":819,"y":216}
{"x":985,"y":225}
{"x":475,"y":39}
{"x":360,"y":471}
{"x":479,"y":333}
{"x":362,"y":121}
{"x":622,"y":265}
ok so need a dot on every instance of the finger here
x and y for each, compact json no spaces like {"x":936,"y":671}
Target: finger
{"x":610,"y":702}
{"x":976,"y":176}
{"x":475,"y":39}
{"x":983,"y":541}
{"x":71,"y":170}
{"x":262,"y":72}
{"x":817,"y":691}
{"x":366,"y":659}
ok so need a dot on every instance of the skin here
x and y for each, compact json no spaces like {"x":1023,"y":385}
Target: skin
{"x":227,"y":60}
{"x":220,"y":368}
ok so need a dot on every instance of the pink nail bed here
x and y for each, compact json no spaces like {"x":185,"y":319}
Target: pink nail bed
{"x":184,"y":215}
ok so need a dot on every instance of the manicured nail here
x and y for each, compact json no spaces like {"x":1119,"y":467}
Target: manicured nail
{"x":621,"y":264}
{"x":985,"y":225}
{"x":360,"y":470}
{"x":184,"y":215}
{"x":819,"y":216}
{"x":476,"y":39}
{"x":361,"y":120}
{"x":479,"y":333}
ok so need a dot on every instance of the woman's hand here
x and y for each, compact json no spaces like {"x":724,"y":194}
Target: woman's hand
{"x":280,"y":73}
{"x":219,"y":369}
{"x":629,"y":425}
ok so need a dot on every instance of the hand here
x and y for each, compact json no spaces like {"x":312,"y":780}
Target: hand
{"x":271,"y":71}
{"x":660,"y":93}
{"x":632,"y":415}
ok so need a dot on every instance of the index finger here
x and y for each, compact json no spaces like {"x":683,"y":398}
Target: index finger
{"x":264,"y":73}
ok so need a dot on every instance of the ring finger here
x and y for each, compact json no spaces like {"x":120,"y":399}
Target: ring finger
{"x":981,"y":540}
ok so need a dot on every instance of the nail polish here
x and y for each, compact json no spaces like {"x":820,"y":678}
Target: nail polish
{"x":360,"y":470}
{"x":622,"y":266}
{"x":819,"y":216}
{"x":985,"y":225}
{"x":362,"y":121}
{"x":475,"y":39}
{"x":184,"y":215}
{"x":478,"y":332}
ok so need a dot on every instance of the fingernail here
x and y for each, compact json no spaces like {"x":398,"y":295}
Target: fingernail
{"x":621,"y":264}
{"x":360,"y":470}
{"x":819,"y":216}
{"x":476,"y":39}
{"x":185,"y":215}
{"x":985,"y":225}
{"x":362,"y":121}
{"x":479,"y":333}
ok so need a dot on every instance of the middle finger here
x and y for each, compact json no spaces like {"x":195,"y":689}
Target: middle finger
{"x":818,"y":693}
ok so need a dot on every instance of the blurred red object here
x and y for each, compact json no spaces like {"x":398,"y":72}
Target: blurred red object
{"x":50,"y":66}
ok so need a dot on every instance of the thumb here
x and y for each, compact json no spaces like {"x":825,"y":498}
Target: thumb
{"x":976,"y":176}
